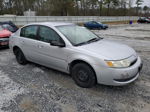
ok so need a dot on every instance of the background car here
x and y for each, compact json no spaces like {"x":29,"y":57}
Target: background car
{"x":148,"y":18}
{"x":4,"y":36}
{"x":9,"y":26}
{"x":143,"y":20}
{"x":95,"y":25}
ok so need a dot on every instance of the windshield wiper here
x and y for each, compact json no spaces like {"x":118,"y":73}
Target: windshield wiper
{"x":93,"y":40}
{"x":89,"y":41}
{"x":81,"y":44}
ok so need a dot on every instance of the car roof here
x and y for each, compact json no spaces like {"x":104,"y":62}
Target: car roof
{"x":51,"y":24}
{"x":91,"y":21}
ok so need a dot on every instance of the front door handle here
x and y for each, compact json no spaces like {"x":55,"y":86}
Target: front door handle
{"x":40,"y":46}
{"x":22,"y":42}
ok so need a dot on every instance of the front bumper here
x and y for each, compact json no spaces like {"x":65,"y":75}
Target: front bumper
{"x":118,"y":76}
{"x":104,"y":27}
{"x":4,"y":41}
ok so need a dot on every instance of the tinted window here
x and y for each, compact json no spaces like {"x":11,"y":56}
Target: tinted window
{"x":8,"y":27}
{"x":29,"y":32}
{"x":47,"y":35}
{"x":94,"y":22}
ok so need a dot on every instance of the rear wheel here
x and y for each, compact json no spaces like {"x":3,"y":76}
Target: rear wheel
{"x":99,"y":28}
{"x":20,"y":57}
{"x":83,"y":75}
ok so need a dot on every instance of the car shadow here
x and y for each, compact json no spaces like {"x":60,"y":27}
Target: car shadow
{"x":47,"y":69}
{"x":4,"y":48}
{"x":66,"y":81}
{"x":68,"y":75}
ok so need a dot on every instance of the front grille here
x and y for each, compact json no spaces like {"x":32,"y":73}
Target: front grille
{"x":132,"y":59}
{"x":4,"y":39}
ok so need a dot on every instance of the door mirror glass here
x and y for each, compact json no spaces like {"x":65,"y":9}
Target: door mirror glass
{"x":57,"y":43}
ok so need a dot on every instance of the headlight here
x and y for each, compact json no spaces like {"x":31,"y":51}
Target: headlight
{"x":118,"y":64}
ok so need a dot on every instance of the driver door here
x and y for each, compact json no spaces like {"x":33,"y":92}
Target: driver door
{"x":51,"y":56}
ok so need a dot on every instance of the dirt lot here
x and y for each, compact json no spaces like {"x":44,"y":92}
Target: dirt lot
{"x":33,"y":88}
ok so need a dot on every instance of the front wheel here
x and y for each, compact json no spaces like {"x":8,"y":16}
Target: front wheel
{"x":20,"y":57}
{"x":83,"y":75}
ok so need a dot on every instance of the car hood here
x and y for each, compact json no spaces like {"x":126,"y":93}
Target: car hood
{"x":5,"y":33}
{"x":109,"y":50}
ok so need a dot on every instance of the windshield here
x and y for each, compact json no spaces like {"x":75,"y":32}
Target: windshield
{"x":77,"y":34}
{"x":99,"y":22}
{"x":8,"y":27}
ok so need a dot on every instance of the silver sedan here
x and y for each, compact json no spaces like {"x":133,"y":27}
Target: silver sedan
{"x":75,"y":50}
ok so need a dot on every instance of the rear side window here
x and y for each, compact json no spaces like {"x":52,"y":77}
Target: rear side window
{"x":47,"y":35}
{"x":29,"y":32}
{"x":94,"y":22}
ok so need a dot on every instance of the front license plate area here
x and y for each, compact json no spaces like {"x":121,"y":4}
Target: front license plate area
{"x":4,"y":43}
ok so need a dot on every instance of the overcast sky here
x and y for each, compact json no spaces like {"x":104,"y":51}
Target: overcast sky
{"x":146,"y":2}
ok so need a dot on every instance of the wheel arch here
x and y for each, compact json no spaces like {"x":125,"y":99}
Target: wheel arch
{"x":15,"y":48}
{"x":74,"y":62}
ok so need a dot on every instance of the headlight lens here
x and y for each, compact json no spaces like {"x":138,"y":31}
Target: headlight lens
{"x":118,"y":64}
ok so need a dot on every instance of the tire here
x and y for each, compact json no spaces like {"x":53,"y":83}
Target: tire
{"x":105,"y":28}
{"x":90,"y":28}
{"x":99,"y":28}
{"x":20,"y":57}
{"x":83,"y":75}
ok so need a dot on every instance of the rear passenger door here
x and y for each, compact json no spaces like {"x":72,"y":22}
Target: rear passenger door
{"x":28,"y":41}
{"x":92,"y":25}
{"x":95,"y":24}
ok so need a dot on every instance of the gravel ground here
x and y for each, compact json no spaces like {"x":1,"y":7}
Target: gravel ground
{"x":34,"y":88}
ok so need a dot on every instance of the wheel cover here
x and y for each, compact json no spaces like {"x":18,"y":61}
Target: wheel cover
{"x":82,"y":75}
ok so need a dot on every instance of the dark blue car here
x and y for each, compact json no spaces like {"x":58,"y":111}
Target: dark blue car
{"x":95,"y":25}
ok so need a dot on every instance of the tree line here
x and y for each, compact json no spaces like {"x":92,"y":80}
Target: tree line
{"x":74,"y":7}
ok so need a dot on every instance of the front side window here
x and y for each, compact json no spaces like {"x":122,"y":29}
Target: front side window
{"x":29,"y":32}
{"x":93,"y":22}
{"x":99,"y":23}
{"x":47,"y":35}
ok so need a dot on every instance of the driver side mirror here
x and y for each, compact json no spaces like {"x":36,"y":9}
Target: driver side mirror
{"x":57,"y":43}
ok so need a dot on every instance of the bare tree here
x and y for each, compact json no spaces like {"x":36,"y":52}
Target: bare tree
{"x":110,"y":3}
{"x":71,"y":7}
{"x":101,"y":2}
{"x":130,"y":3}
{"x":146,"y":9}
{"x":138,"y":3}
